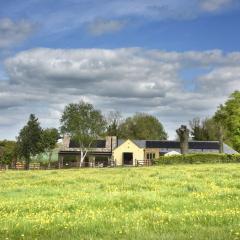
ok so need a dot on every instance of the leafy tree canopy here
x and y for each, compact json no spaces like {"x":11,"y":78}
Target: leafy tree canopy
{"x":142,"y":126}
{"x":50,"y":137}
{"x":204,"y":130}
{"x":228,"y":115}
{"x":83,"y":123}
{"x":7,"y":151}
{"x":29,"y":141}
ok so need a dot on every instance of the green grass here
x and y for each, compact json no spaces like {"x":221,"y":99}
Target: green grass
{"x":162,"y":202}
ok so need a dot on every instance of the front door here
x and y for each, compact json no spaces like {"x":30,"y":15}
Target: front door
{"x":128,"y":158}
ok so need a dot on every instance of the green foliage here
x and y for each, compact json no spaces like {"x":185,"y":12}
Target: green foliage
{"x":142,"y":126}
{"x":29,"y":141}
{"x":228,"y":115}
{"x":82,"y":122}
{"x":7,"y":151}
{"x":204,"y":130}
{"x":180,"y":202}
{"x":199,"y":158}
{"x":50,"y":137}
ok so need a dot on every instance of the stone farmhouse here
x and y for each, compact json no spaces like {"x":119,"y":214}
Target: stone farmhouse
{"x":118,"y":152}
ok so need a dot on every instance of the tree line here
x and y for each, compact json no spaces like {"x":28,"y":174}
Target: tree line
{"x":224,"y":124}
{"x":84,"y":124}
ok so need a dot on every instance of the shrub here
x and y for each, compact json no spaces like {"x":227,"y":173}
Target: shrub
{"x":198,"y":158}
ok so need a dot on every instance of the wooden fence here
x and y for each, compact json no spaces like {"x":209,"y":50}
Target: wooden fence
{"x":3,"y":167}
{"x":32,"y":166}
{"x":37,"y":166}
{"x":145,"y":162}
{"x":20,"y":166}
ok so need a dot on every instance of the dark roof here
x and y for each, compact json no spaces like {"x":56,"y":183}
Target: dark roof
{"x":176,"y":144}
{"x":204,"y":145}
{"x":162,"y":144}
{"x":95,"y":144}
{"x":155,"y":144}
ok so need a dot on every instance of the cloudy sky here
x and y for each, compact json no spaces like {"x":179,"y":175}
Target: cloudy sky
{"x":174,"y":59}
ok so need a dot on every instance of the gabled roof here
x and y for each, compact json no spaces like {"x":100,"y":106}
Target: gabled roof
{"x":139,"y":143}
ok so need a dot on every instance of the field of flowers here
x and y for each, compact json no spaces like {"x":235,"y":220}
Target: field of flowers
{"x":162,"y":202}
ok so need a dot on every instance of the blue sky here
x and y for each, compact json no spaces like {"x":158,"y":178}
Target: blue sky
{"x":57,"y":26}
{"x":164,"y":53}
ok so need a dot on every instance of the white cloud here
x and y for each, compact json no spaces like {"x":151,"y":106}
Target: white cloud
{"x":14,"y":32}
{"x":102,"y":26}
{"x":131,"y":80}
{"x":221,"y":80}
{"x":215,"y":5}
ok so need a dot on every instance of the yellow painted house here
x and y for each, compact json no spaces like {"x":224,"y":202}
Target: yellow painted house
{"x":128,"y":153}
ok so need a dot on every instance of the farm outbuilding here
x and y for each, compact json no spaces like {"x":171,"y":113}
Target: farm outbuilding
{"x":128,"y":153}
{"x":118,"y":152}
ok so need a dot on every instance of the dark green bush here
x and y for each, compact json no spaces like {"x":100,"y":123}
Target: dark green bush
{"x":199,"y":158}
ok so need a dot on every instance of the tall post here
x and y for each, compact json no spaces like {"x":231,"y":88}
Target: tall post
{"x":183,"y":133}
{"x":60,"y":160}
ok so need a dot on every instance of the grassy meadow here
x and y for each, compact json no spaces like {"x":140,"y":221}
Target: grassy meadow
{"x":162,"y":202}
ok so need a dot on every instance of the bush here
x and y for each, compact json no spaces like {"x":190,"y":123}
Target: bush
{"x":199,"y":158}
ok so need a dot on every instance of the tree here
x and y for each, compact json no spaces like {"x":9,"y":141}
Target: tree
{"x":1,"y":155}
{"x":142,"y":126}
{"x":29,"y":141}
{"x":7,"y":151}
{"x":50,"y":137}
{"x":204,"y":130}
{"x":228,"y":118}
{"x":83,"y":124}
{"x":183,"y":134}
{"x":114,"y":119}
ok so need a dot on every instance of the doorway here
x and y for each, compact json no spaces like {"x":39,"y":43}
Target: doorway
{"x":127,"y":158}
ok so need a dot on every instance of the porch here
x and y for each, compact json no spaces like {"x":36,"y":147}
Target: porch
{"x":71,"y":159}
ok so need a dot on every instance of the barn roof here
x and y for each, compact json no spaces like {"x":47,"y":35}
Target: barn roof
{"x":176,"y":144}
{"x":163,"y":144}
{"x":96,"y":144}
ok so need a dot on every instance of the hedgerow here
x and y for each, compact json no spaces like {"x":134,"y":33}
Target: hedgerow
{"x":198,"y":158}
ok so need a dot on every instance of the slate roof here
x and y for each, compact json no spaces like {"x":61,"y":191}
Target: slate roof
{"x":96,"y":144}
{"x":139,"y":143}
{"x":228,"y":150}
{"x":164,"y":144}
{"x":176,"y":144}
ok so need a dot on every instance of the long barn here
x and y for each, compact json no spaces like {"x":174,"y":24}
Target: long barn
{"x":119,"y":152}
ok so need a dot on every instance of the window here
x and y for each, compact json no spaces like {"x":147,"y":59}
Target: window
{"x":151,"y":156}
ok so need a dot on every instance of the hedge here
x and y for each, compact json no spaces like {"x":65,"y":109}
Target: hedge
{"x":198,"y":158}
